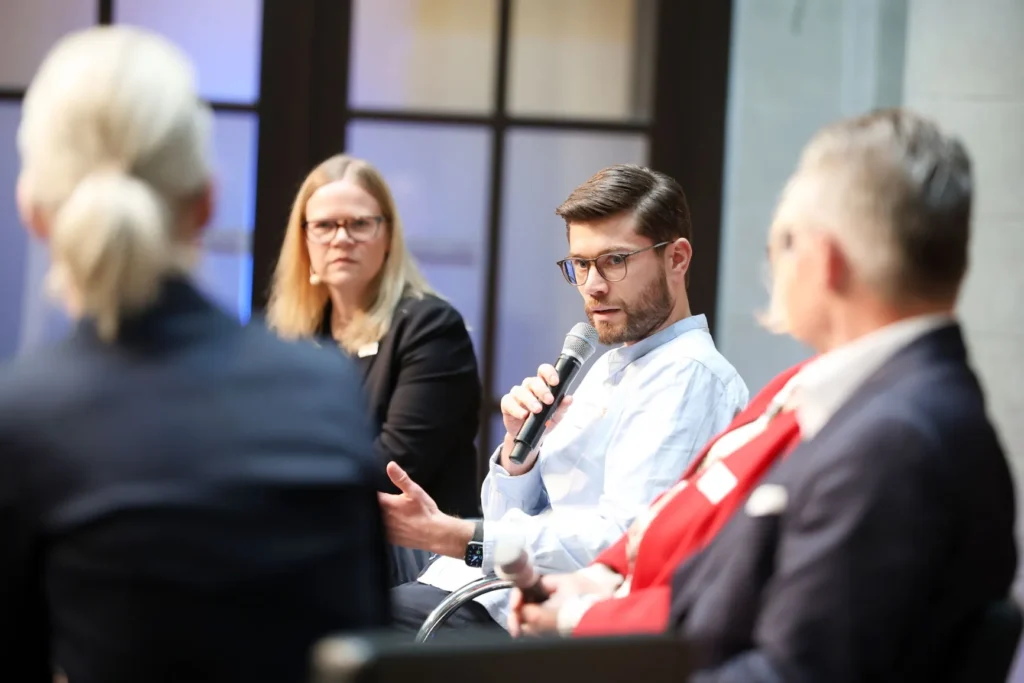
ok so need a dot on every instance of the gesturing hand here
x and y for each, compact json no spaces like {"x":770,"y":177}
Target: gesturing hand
{"x":413,"y":519}
{"x":410,"y":515}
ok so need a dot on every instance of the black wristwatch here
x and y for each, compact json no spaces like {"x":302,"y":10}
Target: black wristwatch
{"x":475,"y":548}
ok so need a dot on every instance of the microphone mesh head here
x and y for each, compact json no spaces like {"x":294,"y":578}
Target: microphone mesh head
{"x":581,"y":342}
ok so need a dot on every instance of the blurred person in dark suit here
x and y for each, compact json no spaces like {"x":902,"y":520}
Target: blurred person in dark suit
{"x":865,"y":554}
{"x":346,"y":275}
{"x":181,"y":498}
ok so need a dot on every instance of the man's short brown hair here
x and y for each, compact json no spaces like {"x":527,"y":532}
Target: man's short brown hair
{"x":655,"y":200}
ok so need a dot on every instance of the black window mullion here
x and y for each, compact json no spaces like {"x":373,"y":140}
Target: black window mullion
{"x":492,"y":263}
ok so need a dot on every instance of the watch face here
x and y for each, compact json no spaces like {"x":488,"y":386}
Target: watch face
{"x":475,"y":554}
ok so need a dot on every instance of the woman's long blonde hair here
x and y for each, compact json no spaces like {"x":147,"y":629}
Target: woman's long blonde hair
{"x":296,"y":306}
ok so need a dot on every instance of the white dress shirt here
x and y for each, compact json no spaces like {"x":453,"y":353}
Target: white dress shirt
{"x":638,"y":418}
{"x":826,"y":383}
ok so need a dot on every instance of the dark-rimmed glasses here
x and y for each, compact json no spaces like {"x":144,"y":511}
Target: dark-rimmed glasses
{"x":357,"y":229}
{"x":612,"y":267}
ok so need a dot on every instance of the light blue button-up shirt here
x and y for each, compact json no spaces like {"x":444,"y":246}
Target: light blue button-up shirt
{"x":637,"y":419}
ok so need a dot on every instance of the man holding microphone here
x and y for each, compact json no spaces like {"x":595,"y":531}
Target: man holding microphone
{"x":636,"y":420}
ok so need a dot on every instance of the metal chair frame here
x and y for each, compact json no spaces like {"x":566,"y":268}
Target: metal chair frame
{"x":456,"y":600}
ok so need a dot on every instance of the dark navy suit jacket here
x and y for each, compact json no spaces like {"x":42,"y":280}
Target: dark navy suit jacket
{"x":196,"y":502}
{"x":897,"y":530}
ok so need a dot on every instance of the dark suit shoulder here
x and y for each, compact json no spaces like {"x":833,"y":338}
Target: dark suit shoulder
{"x":428,"y":309}
{"x":429,"y":317}
{"x":927,"y":430}
{"x":318,"y":357}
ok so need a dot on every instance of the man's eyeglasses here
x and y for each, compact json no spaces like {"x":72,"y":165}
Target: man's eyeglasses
{"x":358,"y":229}
{"x":612,"y":267}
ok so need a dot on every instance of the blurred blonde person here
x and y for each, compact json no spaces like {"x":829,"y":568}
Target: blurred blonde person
{"x":174,"y":487}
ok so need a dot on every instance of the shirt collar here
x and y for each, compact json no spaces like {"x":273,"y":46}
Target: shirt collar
{"x":825,"y":383}
{"x":619,"y":358}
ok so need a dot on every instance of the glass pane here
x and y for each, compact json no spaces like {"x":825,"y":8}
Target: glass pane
{"x":440,"y":177}
{"x":582,"y":58}
{"x":28,"y":317}
{"x":536,"y":308}
{"x":29,"y":28}
{"x":424,"y":54}
{"x":222,"y":38}
{"x":13,"y":239}
{"x":225,"y":270}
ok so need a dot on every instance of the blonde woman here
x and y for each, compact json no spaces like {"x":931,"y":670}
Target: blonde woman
{"x":345,"y":275}
{"x":181,"y":498}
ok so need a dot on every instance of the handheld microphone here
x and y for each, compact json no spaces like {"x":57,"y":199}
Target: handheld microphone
{"x":512,"y":563}
{"x":579,"y":346}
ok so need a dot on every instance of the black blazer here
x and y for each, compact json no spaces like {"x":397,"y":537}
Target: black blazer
{"x":897,"y":531}
{"x":423,"y":389}
{"x":193,"y":503}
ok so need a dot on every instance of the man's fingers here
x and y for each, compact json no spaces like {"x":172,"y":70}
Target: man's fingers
{"x":526,"y":398}
{"x":511,"y":407}
{"x":531,"y":616}
{"x":514,"y":603}
{"x":547,"y":373}
{"x":402,"y":480}
{"x":539,"y":389}
{"x":552,"y":582}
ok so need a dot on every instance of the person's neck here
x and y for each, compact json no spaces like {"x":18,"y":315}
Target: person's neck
{"x":680,"y":311}
{"x":345,"y":305}
{"x":855,"y":320}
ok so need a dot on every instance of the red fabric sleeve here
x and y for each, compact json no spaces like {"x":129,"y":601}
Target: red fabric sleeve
{"x":643,"y":611}
{"x":614,"y":556}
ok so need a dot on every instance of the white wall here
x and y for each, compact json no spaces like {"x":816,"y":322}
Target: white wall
{"x":800,"y":64}
{"x":965,"y":66}
{"x":796,"y":65}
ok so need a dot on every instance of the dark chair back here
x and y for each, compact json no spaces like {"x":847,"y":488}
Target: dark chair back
{"x":499,"y":659}
{"x":989,"y":645}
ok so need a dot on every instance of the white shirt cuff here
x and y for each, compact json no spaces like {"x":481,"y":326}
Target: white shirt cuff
{"x":519,"y":491}
{"x":572,"y":611}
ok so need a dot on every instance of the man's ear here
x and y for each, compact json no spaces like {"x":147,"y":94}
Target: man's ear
{"x":31,"y":215}
{"x":680,"y":254}
{"x":837,"y":266}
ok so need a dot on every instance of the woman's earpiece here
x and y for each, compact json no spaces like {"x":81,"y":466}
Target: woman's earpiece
{"x":314,"y":279}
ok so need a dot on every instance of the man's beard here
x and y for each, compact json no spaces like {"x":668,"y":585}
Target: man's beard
{"x":643,"y":317}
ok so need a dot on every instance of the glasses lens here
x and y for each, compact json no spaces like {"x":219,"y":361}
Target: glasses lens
{"x":612,"y":267}
{"x":321,"y":231}
{"x":570,"y":273}
{"x":362,"y":229}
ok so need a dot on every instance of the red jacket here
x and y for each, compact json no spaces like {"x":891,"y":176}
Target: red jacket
{"x":686,"y":524}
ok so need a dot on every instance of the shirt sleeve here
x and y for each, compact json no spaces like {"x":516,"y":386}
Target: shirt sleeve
{"x":670,"y":415}
{"x":642,"y":611}
{"x":503,"y":493}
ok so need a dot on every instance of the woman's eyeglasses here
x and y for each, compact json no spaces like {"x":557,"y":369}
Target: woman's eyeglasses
{"x":612,"y":267}
{"x":358,"y":229}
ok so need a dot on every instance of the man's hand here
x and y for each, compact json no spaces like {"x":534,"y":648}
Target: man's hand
{"x":520,"y":402}
{"x":533,"y":619}
{"x":413,"y":519}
